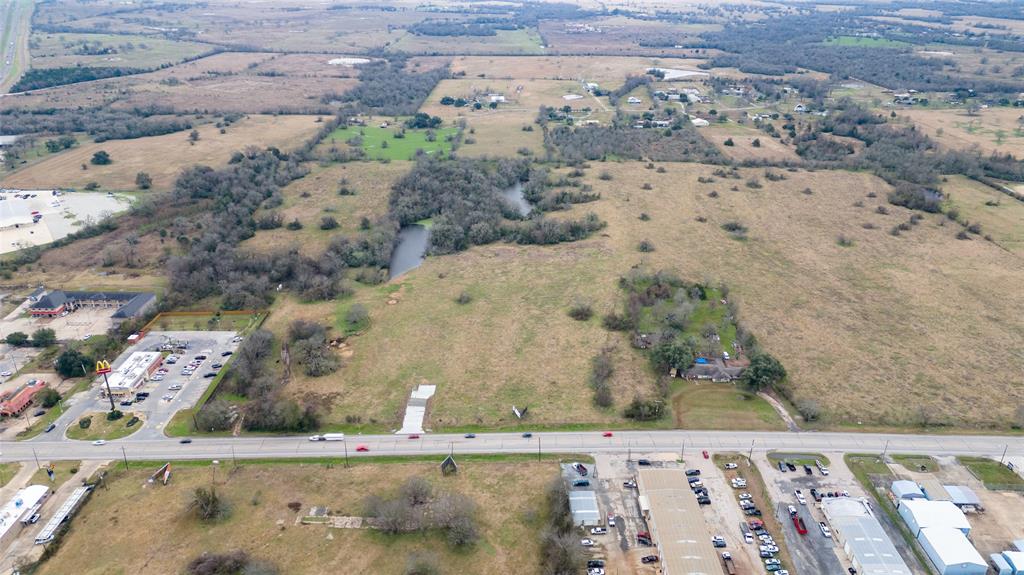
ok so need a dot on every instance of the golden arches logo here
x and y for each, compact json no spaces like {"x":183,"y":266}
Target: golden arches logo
{"x":103,"y":366}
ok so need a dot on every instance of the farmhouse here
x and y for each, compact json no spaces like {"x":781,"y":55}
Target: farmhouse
{"x":713,"y":369}
{"x":128,"y":304}
{"x":496,"y":98}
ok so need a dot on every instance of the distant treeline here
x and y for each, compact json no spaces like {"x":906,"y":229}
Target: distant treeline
{"x":681,"y":143}
{"x":100,"y":123}
{"x":386,"y":87}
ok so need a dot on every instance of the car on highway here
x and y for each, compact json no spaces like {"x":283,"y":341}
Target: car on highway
{"x":606,"y":434}
{"x":167,"y":396}
{"x":527,"y":435}
{"x":226,"y":353}
{"x":644,"y":462}
{"x":210,"y":374}
{"x":126,"y":403}
{"x":362,"y":448}
{"x":414,"y":436}
{"x":185,"y":440}
{"x":5,"y":374}
{"x":50,"y":428}
{"x":102,"y":442}
{"x":470,"y":436}
{"x":217,"y":366}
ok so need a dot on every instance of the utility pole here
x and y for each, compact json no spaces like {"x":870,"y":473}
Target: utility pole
{"x":345,"y":443}
{"x":37,"y":458}
{"x":1003,"y":456}
{"x":538,"y":448}
{"x":234,"y":462}
{"x":682,"y":450}
{"x":195,"y":423}
{"x":750,"y":455}
{"x":125,"y":455}
{"x":885,"y":449}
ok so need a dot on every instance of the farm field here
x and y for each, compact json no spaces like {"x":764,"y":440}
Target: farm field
{"x":819,"y":307}
{"x":608,"y":71}
{"x":176,"y":153}
{"x":508,"y":497}
{"x":65,"y":50}
{"x":993,"y":130}
{"x":743,"y":147}
{"x":618,"y":35}
{"x":864,"y":42}
{"x":311,"y":198}
{"x":381,"y":143}
{"x":1000,"y":215}
{"x":523,"y":41}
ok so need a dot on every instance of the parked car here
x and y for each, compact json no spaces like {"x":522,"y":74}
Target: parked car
{"x":595,"y":564}
{"x":791,"y":466}
{"x":588,"y":542}
{"x":649,"y":559}
{"x":706,"y":455}
{"x":791,"y":509}
{"x":629,"y":484}
{"x":705,"y":500}
{"x":175,"y":387}
{"x":126,"y":403}
{"x":731,"y":466}
{"x":692,"y":472}
{"x":210,"y":374}
{"x":807,"y":470}
{"x":226,"y":353}
{"x":782,"y":466}
{"x":598,"y":531}
{"x":644,"y":462}
{"x":217,"y":366}
{"x":50,"y":427}
{"x":39,"y":413}
{"x":581,"y":483}
{"x":611,"y":520}
{"x":824,"y":529}
{"x":580,"y":468}
{"x":718,"y":541}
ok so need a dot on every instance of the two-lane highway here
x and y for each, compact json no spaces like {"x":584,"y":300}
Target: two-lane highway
{"x":550,"y":442}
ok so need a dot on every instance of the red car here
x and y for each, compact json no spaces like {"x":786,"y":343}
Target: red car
{"x":607,"y":434}
{"x":706,"y":456}
{"x":414,"y":436}
{"x":362,"y":448}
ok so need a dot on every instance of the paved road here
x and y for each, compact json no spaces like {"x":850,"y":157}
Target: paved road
{"x":580,"y":442}
{"x":14,"y":16}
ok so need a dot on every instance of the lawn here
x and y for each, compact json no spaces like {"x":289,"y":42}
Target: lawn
{"x":722,"y":406}
{"x":383,"y":144}
{"x":62,"y":471}
{"x":40,"y":424}
{"x":993,"y":474}
{"x":102,"y":428}
{"x":7,"y":471}
{"x":508,"y":495}
{"x":69,"y":50}
{"x":162,"y":157}
{"x":864,"y":42}
{"x":798,"y":458}
{"x":917,"y":463}
{"x":240,"y":323}
{"x":524,"y":41}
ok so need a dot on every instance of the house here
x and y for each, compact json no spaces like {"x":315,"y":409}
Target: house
{"x":674,"y":97}
{"x":713,"y":369}
{"x":590,"y":86}
{"x":356,"y":121}
{"x":661,"y":123}
{"x":634,"y":100}
{"x":496,"y":98}
{"x":800,"y":109}
{"x":904,"y":98}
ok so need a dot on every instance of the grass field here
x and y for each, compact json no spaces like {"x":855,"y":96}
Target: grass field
{"x":212,"y":322}
{"x":1000,"y":215}
{"x":102,"y":428}
{"x":311,"y":198}
{"x":162,"y":157}
{"x":742,"y":137}
{"x":608,"y":71}
{"x":857,"y":328}
{"x":7,"y":471}
{"x":68,"y":50}
{"x":917,"y":463}
{"x":380,"y":143}
{"x":508,"y":495}
{"x":992,"y":473}
{"x":722,"y":406}
{"x":864,"y":42}
{"x":61,"y":471}
{"x":993,"y":130}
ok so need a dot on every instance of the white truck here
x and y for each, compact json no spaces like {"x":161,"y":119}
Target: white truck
{"x":328,"y":437}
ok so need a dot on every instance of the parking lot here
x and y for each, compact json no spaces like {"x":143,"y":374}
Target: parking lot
{"x":169,"y":392}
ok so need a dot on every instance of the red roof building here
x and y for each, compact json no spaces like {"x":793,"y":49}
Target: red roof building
{"x":17,"y":402}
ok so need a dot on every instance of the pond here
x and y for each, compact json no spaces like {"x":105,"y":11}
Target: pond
{"x":410,"y":251}
{"x":514,"y":196}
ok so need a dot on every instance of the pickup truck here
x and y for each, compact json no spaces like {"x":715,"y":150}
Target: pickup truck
{"x":730,"y":568}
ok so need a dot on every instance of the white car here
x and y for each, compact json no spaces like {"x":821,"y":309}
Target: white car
{"x":5,"y":374}
{"x":99,"y":442}
{"x":175,"y":387}
{"x":588,"y":542}
{"x":745,"y":495}
{"x":167,"y":396}
{"x":731,"y":466}
{"x":824,"y":529}
{"x":748,"y":538}
{"x":772,"y":562}
{"x":87,"y":336}
{"x":157,"y":378}
{"x":598,"y":531}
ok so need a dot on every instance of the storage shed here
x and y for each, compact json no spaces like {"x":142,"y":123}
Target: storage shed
{"x":951,"y":552}
{"x":934,"y":490}
{"x":1000,"y":564}
{"x":583,"y":506}
{"x":921,"y":513}
{"x":904,"y":489}
{"x":963,"y":496}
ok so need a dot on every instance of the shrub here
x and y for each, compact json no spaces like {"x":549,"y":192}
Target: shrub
{"x":729,"y":142}
{"x":101,"y":158}
{"x":143,"y":181}
{"x":645,"y":246}
{"x":754,"y":184}
{"x":601,"y":370}
{"x":617,"y":322}
{"x":756,"y":143}
{"x":419,"y":564}
{"x":464,"y":298}
{"x":115,"y":415}
{"x":844,"y":241}
{"x":644,"y":217}
{"x":605,"y":175}
{"x":806,"y":191}
{"x":647,"y":186}
{"x":206,"y":504}
{"x":581,"y":311}
{"x":85,"y":422}
{"x":230,"y":563}
{"x":356,"y":315}
{"x":328,"y":223}
{"x":294,"y":225}
{"x":808,"y":409}
{"x":645,"y":410}
{"x":963,"y":235}
{"x":48,"y":397}
{"x":974,"y":228}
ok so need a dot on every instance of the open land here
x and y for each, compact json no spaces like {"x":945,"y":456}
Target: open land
{"x":63,"y":50}
{"x":258,"y":498}
{"x":176,"y":151}
{"x":993,"y":130}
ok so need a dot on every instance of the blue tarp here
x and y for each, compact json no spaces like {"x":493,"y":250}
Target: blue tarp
{"x":700,"y":360}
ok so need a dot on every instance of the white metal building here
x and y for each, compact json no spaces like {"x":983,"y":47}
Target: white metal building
{"x":951,"y":552}
{"x":904,"y":489}
{"x":583,"y":506}
{"x":1014,"y":560}
{"x":133,"y":372}
{"x":1001,"y":565}
{"x":14,"y":510}
{"x":920,"y":514}
{"x":863,"y":539}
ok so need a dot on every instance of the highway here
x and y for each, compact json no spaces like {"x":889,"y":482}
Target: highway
{"x":14,"y":22}
{"x":638,"y":442}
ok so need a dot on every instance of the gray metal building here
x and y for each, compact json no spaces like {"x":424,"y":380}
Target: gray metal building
{"x":584,"y":509}
{"x":863,"y":539}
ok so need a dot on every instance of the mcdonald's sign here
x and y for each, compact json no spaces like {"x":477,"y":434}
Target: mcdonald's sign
{"x":103,"y":366}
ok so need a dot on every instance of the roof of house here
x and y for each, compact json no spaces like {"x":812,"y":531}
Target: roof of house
{"x":951,"y":546}
{"x":936,"y":514}
{"x":716,"y":370}
{"x":52,"y":300}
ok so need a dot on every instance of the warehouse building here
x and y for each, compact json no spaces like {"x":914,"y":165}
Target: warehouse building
{"x":677,"y":524}
{"x":920,"y":514}
{"x":1000,"y":564}
{"x":863,"y":538}
{"x":904,"y":489}
{"x":131,"y":374}
{"x":25,"y":502}
{"x":964,"y":497}
{"x":583,"y":506}
{"x":950,"y":551}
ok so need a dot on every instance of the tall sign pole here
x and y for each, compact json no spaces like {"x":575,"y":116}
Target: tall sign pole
{"x":103,"y":367}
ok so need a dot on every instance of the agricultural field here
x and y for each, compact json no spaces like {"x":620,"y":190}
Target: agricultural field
{"x":864,"y":42}
{"x":619,"y":35}
{"x":315,"y":196}
{"x":1000,"y":215}
{"x":992,"y":130}
{"x":66,"y":50}
{"x":392,"y":141}
{"x":608,"y":71}
{"x":524,"y":41}
{"x":508,"y":494}
{"x":820,"y":307}
{"x":175,"y":151}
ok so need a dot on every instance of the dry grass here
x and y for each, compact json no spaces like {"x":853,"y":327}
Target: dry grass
{"x":993,"y":130}
{"x":507,"y":495}
{"x":1001,"y":221}
{"x":859,"y":329}
{"x":316,"y":195}
{"x":162,"y":157}
{"x":608,"y":71}
{"x":743,"y":137}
